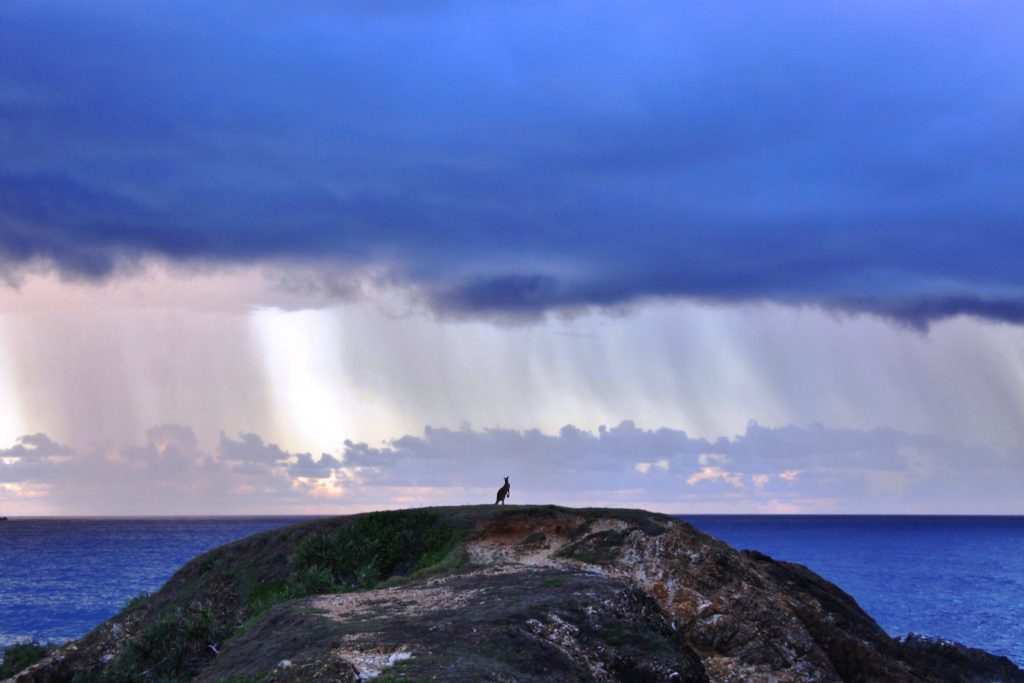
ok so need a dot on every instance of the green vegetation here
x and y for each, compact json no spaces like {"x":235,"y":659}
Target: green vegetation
{"x":135,"y":602}
{"x":175,"y":646}
{"x":375,"y":547}
{"x":20,"y":656}
{"x":372,"y":549}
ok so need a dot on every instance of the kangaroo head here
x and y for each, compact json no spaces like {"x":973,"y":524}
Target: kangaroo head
{"x":506,"y":480}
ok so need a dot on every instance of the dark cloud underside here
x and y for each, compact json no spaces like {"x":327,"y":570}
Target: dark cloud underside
{"x":525,"y":157}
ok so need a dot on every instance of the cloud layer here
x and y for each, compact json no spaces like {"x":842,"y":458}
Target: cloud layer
{"x":514,"y":159}
{"x":788,"y":469}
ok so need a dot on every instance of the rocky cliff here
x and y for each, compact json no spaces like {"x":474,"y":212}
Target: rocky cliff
{"x":516,"y":593}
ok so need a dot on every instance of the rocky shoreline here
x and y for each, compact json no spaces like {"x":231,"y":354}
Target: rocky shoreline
{"x":513,"y":593}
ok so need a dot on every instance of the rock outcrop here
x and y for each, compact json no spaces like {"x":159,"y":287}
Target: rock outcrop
{"x":518,"y":593}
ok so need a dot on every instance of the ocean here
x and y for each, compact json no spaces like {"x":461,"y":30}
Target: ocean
{"x":960,"y":578}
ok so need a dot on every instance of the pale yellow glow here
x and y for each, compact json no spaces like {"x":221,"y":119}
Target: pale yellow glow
{"x":10,"y":414}
{"x":328,"y":487}
{"x":315,"y":407}
{"x":25,"y":490}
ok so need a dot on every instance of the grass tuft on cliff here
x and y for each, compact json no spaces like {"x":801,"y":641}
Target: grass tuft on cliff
{"x":20,"y":656}
{"x":371,"y":550}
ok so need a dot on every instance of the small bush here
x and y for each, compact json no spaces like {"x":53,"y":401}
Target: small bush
{"x":266,"y":595}
{"x":311,"y":580}
{"x":364,"y":554}
{"x":20,"y":656}
{"x":135,"y":602}
{"x":175,"y":646}
{"x":371,"y":549}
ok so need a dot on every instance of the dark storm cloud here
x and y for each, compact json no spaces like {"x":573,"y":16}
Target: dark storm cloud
{"x":251,"y":449}
{"x":305,"y":466}
{"x":31,"y":458}
{"x":524,"y":157}
{"x":33,"y":447}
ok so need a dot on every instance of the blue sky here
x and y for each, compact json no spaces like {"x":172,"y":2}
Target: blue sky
{"x":534,"y":192}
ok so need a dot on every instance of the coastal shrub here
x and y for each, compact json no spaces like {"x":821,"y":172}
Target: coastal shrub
{"x":20,"y":656}
{"x":374,"y":547}
{"x":371,"y":550}
{"x":135,"y":602}
{"x":311,"y":580}
{"x":266,"y":595}
{"x":175,"y":646}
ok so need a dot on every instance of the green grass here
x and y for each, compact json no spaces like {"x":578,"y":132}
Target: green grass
{"x":380,"y":548}
{"x":135,"y":602}
{"x":172,"y":648}
{"x":20,"y":656}
{"x":375,"y":547}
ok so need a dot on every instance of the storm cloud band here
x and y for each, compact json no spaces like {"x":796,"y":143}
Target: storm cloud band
{"x":516,"y":159}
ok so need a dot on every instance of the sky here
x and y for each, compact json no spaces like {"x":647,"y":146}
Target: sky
{"x":696,"y":257}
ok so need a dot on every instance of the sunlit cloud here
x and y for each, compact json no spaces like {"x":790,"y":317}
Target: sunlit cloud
{"x":713,"y":473}
{"x":645,"y":467}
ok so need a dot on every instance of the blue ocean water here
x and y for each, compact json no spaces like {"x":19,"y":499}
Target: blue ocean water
{"x":960,"y":578}
{"x":953,"y":577}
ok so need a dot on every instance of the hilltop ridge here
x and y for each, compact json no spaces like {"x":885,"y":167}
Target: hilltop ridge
{"x":501,"y":593}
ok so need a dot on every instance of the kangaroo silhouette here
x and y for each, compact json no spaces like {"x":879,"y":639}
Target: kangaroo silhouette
{"x":503,"y":492}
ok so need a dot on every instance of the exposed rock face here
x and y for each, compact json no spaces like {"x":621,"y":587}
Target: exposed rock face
{"x":526,"y":594}
{"x":528,"y":624}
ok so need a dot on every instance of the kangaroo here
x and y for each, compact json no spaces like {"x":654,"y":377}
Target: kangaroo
{"x":503,"y":492}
